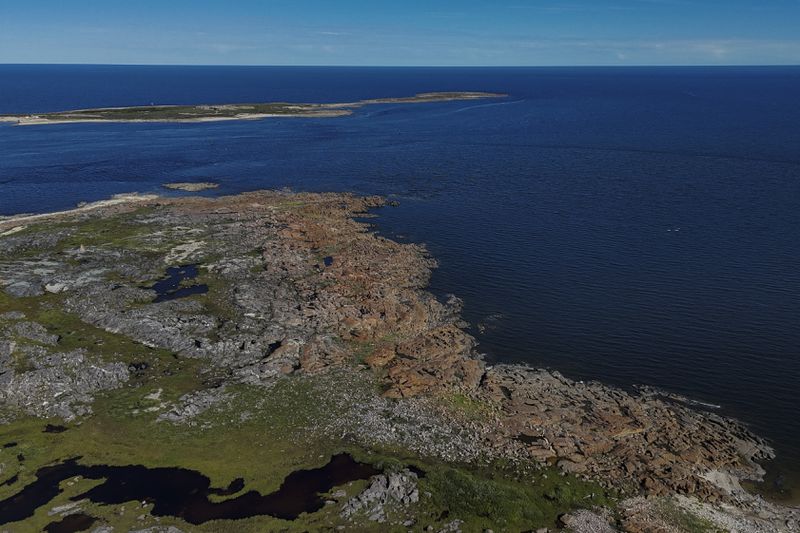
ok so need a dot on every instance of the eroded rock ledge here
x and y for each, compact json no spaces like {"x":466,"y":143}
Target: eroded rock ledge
{"x":294,"y":285}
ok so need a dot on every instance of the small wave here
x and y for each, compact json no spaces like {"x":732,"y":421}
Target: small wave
{"x":653,"y":391}
{"x":483,"y":105}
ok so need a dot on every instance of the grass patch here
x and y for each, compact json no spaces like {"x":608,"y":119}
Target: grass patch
{"x":74,"y":333}
{"x":684,"y":520}
{"x":467,"y":405}
{"x":487,"y":500}
{"x":361,"y":350}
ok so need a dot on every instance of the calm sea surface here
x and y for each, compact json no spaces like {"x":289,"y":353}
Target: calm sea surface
{"x":628,"y":225}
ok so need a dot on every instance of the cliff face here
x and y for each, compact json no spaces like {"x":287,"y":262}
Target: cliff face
{"x":217,"y":296}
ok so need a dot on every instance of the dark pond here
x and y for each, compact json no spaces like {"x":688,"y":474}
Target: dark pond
{"x":71,"y":524}
{"x":185,"y":493}
{"x":170,"y":288}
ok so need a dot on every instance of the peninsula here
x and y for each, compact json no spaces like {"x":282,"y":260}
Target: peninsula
{"x":212,"y":113}
{"x":175,"y":364}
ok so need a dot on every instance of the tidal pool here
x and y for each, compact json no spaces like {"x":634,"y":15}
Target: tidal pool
{"x":170,"y":288}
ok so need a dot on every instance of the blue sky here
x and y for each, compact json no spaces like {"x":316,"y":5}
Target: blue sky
{"x":407,"y":32}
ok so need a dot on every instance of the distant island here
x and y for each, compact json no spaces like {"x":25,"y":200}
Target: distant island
{"x":213,"y":113}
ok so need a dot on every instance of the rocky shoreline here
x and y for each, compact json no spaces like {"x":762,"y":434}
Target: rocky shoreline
{"x":290,"y":285}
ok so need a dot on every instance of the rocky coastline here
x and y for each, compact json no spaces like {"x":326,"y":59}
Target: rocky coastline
{"x":289,"y":286}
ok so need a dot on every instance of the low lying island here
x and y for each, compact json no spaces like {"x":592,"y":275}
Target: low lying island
{"x":214,"y":113}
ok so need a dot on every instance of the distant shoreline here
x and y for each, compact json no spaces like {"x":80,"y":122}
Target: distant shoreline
{"x":225,"y":112}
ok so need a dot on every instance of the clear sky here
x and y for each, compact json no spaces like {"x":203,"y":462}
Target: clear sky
{"x":401,"y":32}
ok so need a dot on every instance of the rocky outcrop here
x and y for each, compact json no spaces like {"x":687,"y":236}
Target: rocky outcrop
{"x":638,"y":441}
{"x":386,"y":493}
{"x":38,"y":378}
{"x":192,"y":404}
{"x":585,"y":521}
{"x":60,"y":384}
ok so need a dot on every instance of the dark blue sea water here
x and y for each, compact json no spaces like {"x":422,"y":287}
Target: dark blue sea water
{"x":631,"y":225}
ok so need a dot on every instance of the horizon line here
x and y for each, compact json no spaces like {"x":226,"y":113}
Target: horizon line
{"x":255,"y":65}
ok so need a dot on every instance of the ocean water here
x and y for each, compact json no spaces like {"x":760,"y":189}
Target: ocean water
{"x":636,"y":226}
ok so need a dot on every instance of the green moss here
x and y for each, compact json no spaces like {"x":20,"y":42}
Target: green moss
{"x":487,"y":499}
{"x":361,"y":351}
{"x":684,"y":520}
{"x":467,"y":405}
{"x":117,"y":232}
{"x":291,"y":204}
{"x":123,"y":231}
{"x":22,"y":363}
